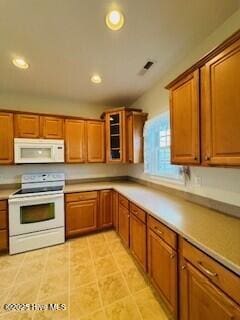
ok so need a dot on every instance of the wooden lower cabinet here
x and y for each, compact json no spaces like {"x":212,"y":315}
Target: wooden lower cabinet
{"x":162,"y":269}
{"x":123,"y":224}
{"x":105,"y":219}
{"x":81,"y":217}
{"x":115,"y":209}
{"x":3,"y":226}
{"x":200,"y":299}
{"x":138,"y":241}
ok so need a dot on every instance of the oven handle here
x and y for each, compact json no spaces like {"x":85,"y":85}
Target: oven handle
{"x":37,"y":198}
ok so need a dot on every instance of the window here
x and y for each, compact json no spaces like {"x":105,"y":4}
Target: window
{"x":157,"y":142}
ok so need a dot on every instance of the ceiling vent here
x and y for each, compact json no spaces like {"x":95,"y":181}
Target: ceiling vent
{"x":146,"y":67}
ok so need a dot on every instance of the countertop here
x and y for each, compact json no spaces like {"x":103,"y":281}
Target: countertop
{"x":215,"y":233}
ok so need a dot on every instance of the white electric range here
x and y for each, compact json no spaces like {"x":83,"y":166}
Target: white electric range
{"x":36,"y":212}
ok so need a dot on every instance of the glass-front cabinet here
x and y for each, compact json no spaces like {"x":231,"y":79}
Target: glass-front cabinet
{"x":114,"y":136}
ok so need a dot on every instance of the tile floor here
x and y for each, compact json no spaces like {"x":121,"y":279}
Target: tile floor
{"x":93,"y":275}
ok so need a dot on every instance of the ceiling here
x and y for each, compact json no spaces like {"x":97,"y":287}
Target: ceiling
{"x":65,"y":42}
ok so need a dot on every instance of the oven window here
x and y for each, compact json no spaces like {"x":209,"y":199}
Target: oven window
{"x":32,"y":153}
{"x":37,"y":213}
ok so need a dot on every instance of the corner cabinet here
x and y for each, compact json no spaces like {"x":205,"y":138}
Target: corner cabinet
{"x":6,"y":138}
{"x":124,"y":135}
{"x":204,"y":109}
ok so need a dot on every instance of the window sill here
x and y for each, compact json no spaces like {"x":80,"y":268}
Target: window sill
{"x":165,"y":180}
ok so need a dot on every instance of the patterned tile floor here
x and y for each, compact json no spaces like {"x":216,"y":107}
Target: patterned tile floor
{"x":94,"y":276}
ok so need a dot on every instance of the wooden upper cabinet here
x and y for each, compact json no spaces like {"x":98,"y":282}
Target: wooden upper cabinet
{"x":135,"y":123}
{"x":27,"y":126}
{"x":52,"y":127}
{"x":95,"y":141}
{"x":200,"y":299}
{"x":75,"y":141}
{"x":221,"y":108}
{"x":106,"y":219}
{"x":162,"y":269}
{"x":6,"y":138}
{"x":184,"y":110}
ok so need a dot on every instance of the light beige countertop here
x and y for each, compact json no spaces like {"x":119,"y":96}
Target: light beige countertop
{"x":5,"y":193}
{"x":215,"y":233}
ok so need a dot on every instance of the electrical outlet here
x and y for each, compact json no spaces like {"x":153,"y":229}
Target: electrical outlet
{"x":197,"y":181}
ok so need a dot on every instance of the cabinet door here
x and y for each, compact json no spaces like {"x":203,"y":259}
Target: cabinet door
{"x":81,"y":217}
{"x":162,"y":268}
{"x":75,"y":141}
{"x":95,"y":141}
{"x":3,"y":240}
{"x":27,"y":126}
{"x":105,"y":208}
{"x":115,"y":210}
{"x":123,"y":224}
{"x":200,"y":299}
{"x":138,"y":242}
{"x":52,"y":127}
{"x":184,"y":110}
{"x":221,"y":105}
{"x":6,"y":138}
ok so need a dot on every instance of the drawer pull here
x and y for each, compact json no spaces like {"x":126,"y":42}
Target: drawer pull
{"x":183,"y":267}
{"x":158,"y":231}
{"x":172,"y":256}
{"x":205,"y":270}
{"x":135,"y":212}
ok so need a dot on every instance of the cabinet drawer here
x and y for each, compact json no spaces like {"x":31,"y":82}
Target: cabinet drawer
{"x":3,"y":219}
{"x":3,"y":240}
{"x":219,"y":275}
{"x":123,"y":201}
{"x":163,"y":232}
{"x":3,"y":205}
{"x":138,"y":212}
{"x":79,"y":196}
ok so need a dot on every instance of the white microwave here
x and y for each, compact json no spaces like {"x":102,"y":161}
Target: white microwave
{"x":38,"y":150}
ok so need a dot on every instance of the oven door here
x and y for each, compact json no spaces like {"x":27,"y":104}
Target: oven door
{"x":35,"y":213}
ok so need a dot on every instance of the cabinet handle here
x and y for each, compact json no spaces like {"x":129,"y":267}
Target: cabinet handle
{"x":196,"y":158}
{"x":207,"y":158}
{"x":183,"y":267}
{"x":172,"y":255}
{"x":158,"y":231}
{"x":205,"y":270}
{"x":135,"y":212}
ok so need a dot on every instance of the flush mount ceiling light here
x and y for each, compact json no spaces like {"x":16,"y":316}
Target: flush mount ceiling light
{"x":115,"y":20}
{"x":20,"y":63}
{"x":96,"y":79}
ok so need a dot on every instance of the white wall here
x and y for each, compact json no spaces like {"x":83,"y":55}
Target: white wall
{"x":11,"y":174}
{"x":216,"y":183}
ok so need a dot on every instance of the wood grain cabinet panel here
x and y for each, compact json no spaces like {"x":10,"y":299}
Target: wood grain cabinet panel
{"x":95,"y":141}
{"x":75,"y":141}
{"x":138,"y":240}
{"x":52,"y":127}
{"x":184,"y":106}
{"x":27,"y":126}
{"x":106,"y":219}
{"x":115,"y":209}
{"x":6,"y":138}
{"x":162,"y":269}
{"x":200,"y":299}
{"x":124,"y":224}
{"x":81,"y":217}
{"x":221,"y":108}
{"x":3,"y":240}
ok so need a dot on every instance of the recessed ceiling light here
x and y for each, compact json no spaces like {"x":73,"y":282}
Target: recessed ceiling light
{"x":96,"y":78}
{"x":20,"y":63}
{"x":115,"y":20}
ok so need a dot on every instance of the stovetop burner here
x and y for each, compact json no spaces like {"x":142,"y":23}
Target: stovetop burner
{"x":38,"y":190}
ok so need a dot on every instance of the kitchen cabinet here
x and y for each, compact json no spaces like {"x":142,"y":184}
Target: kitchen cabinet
{"x":124,"y":220}
{"x":220,"y":108}
{"x":207,"y":289}
{"x":115,"y":209}
{"x":184,"y":111}
{"x":81,"y":213}
{"x":162,"y":268}
{"x":75,"y":141}
{"x":6,"y":138}
{"x":138,"y":237}
{"x":106,"y":219}
{"x":204,"y":109}
{"x":52,"y":127}
{"x":27,"y":126}
{"x":95,"y":141}
{"x":3,"y":226}
{"x":135,"y":123}
{"x":124,"y":135}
